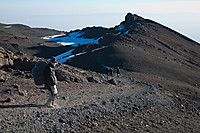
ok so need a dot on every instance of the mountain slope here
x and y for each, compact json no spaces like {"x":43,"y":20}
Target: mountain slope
{"x":89,"y":102}
{"x":148,"y":51}
{"x":23,"y":39}
{"x":145,"y":49}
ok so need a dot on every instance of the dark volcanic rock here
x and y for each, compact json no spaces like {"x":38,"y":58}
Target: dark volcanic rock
{"x":2,"y":78}
{"x":64,"y":75}
{"x":8,"y":100}
{"x":92,"y":79}
{"x":95,"y":32}
{"x":112,"y":81}
{"x":23,"y":64}
{"x":111,"y":38}
{"x":131,"y":19}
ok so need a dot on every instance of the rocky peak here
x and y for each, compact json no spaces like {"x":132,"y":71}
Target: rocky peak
{"x":132,"y":19}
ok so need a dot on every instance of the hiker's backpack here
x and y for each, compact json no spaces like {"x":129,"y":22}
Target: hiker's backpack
{"x":38,"y":71}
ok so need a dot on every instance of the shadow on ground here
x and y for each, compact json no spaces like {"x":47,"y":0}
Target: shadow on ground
{"x":21,"y":106}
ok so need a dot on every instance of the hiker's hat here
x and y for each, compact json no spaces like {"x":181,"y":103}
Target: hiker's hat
{"x":53,"y":59}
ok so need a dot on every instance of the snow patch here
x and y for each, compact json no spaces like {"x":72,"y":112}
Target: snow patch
{"x":66,"y":43}
{"x":80,"y":53}
{"x":120,"y":27}
{"x":119,"y":33}
{"x":62,"y":58}
{"x":54,"y":36}
{"x":73,"y":39}
{"x":126,"y":32}
{"x":7,"y":27}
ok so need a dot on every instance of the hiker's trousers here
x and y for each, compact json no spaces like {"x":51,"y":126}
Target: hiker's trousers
{"x":53,"y":90}
{"x":52,"y":95}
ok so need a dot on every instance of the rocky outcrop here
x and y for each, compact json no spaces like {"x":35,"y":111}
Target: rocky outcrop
{"x":72,"y":74}
{"x":15,"y":61}
{"x":112,"y":81}
{"x":65,"y":75}
{"x":19,"y":65}
{"x":69,"y":74}
{"x":132,"y":19}
{"x":6,"y":57}
{"x":95,"y":32}
{"x":3,"y":76}
{"x":23,"y":64}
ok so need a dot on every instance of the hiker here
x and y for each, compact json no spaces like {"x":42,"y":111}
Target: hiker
{"x":118,"y":71}
{"x":50,"y":81}
{"x":113,"y":72}
{"x":110,"y":71}
{"x":107,"y":71}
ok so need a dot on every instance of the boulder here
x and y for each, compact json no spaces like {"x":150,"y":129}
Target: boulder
{"x":2,"y":79}
{"x":23,"y":64}
{"x":92,"y":79}
{"x":8,"y":100}
{"x":64,"y":75}
{"x":3,"y":76}
{"x":112,"y":81}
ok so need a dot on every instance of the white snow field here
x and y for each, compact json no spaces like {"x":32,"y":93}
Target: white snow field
{"x":72,"y":39}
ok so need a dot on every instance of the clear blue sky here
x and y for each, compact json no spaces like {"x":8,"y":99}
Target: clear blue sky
{"x":180,"y":15}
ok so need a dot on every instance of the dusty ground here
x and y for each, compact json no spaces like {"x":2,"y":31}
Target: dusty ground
{"x":129,"y":106}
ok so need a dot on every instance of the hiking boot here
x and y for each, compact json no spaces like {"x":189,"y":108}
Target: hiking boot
{"x":50,"y":106}
{"x":49,"y":103}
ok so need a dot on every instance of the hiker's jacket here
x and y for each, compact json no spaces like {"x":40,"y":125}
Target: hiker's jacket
{"x":49,"y":75}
